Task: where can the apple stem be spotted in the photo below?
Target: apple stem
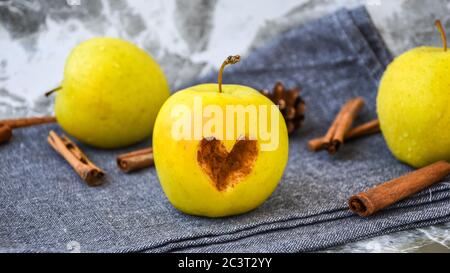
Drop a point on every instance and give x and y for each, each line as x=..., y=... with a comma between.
x=229, y=60
x=48, y=93
x=438, y=24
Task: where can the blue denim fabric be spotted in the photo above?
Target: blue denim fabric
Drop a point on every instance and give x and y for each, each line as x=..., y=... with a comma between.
x=46, y=207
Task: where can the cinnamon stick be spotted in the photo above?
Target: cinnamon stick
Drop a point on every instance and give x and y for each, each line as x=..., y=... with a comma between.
x=344, y=122
x=135, y=160
x=89, y=172
x=24, y=122
x=335, y=135
x=371, y=127
x=5, y=133
x=388, y=193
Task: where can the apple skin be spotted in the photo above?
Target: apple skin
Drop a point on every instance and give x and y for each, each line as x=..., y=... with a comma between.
x=186, y=185
x=413, y=106
x=111, y=93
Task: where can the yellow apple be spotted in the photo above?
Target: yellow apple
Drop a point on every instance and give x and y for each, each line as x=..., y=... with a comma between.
x=221, y=165
x=111, y=93
x=413, y=106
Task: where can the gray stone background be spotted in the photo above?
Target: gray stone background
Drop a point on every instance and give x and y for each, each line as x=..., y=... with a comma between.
x=188, y=38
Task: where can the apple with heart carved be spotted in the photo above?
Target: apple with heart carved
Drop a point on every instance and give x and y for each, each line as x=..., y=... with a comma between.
x=219, y=150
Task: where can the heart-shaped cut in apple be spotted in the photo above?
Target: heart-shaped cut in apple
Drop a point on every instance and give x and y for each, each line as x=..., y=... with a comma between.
x=225, y=168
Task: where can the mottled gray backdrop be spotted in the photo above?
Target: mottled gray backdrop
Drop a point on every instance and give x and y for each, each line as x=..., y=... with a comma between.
x=187, y=38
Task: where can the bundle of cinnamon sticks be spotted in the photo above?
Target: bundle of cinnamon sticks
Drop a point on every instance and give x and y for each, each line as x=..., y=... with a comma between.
x=341, y=128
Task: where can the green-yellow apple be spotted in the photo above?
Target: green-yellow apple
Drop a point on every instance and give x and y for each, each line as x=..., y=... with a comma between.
x=219, y=150
x=111, y=93
x=413, y=105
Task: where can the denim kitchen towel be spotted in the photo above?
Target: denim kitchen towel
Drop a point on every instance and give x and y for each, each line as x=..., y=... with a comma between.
x=46, y=207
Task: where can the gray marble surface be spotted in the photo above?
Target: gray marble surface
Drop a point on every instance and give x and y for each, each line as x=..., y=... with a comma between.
x=189, y=38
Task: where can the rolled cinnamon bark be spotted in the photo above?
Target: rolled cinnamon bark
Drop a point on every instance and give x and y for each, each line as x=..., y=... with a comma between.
x=85, y=168
x=5, y=133
x=386, y=194
x=371, y=127
x=341, y=125
x=23, y=122
x=135, y=160
x=344, y=123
